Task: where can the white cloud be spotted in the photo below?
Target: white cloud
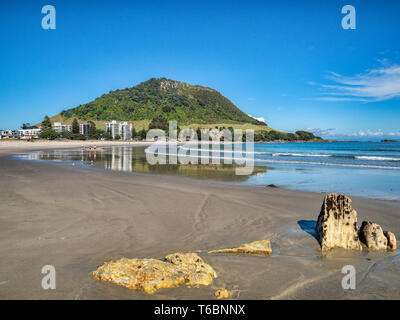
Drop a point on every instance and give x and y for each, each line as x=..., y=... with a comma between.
x=369, y=133
x=259, y=119
x=365, y=133
x=330, y=132
x=373, y=85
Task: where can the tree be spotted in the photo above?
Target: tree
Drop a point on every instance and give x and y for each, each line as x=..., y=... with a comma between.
x=66, y=135
x=142, y=134
x=46, y=123
x=134, y=133
x=49, y=133
x=107, y=135
x=75, y=126
x=102, y=134
x=198, y=132
x=304, y=135
x=117, y=137
x=274, y=135
x=158, y=123
x=92, y=133
x=166, y=109
x=77, y=136
x=28, y=126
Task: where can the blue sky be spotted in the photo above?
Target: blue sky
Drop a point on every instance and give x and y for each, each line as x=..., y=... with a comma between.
x=289, y=62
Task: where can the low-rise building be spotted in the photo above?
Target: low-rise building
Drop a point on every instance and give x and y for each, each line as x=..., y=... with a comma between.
x=15, y=134
x=6, y=134
x=29, y=133
x=9, y=134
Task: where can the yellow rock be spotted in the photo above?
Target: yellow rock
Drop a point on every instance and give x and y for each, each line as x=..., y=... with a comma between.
x=261, y=247
x=371, y=234
x=337, y=224
x=222, y=294
x=391, y=240
x=150, y=275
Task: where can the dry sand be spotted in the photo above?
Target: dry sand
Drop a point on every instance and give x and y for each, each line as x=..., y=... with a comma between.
x=75, y=219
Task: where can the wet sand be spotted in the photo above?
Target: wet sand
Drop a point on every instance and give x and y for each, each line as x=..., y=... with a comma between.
x=75, y=219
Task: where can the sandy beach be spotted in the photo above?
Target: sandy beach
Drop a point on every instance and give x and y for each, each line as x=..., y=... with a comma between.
x=75, y=219
x=8, y=147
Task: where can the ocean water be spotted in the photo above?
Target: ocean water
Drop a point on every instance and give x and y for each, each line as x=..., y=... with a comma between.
x=367, y=169
x=376, y=155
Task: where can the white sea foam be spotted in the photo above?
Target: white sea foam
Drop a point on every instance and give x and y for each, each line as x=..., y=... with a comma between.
x=289, y=154
x=376, y=158
x=222, y=150
x=328, y=164
x=284, y=161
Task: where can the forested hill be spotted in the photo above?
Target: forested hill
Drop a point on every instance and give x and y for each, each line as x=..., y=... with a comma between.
x=169, y=99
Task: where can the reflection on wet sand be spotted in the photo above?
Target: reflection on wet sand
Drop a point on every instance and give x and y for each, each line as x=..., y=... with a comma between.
x=133, y=159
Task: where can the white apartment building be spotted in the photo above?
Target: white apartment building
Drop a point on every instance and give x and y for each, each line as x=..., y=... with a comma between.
x=58, y=127
x=84, y=129
x=123, y=129
x=18, y=134
x=28, y=133
x=126, y=131
x=113, y=127
x=15, y=134
x=6, y=134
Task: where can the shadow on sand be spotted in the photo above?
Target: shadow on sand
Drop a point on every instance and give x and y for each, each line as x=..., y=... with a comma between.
x=309, y=227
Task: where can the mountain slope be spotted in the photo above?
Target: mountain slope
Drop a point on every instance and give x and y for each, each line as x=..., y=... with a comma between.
x=170, y=99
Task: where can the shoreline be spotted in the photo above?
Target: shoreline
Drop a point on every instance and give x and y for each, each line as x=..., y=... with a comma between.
x=382, y=194
x=23, y=149
x=19, y=147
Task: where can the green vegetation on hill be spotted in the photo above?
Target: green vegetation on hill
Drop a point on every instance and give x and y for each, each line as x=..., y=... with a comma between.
x=273, y=135
x=163, y=98
x=151, y=104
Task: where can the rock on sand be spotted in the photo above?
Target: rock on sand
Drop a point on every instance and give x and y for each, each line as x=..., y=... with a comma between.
x=150, y=275
x=375, y=238
x=261, y=247
x=337, y=224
